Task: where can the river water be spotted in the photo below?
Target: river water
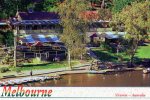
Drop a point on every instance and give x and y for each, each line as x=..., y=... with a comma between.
x=121, y=79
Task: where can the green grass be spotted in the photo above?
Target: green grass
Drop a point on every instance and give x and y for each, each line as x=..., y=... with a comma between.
x=41, y=66
x=46, y=66
x=143, y=51
x=32, y=66
x=103, y=55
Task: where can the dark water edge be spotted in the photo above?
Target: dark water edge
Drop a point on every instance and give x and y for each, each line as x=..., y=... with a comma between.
x=121, y=79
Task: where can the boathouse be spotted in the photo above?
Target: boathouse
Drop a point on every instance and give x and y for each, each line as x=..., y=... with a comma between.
x=38, y=35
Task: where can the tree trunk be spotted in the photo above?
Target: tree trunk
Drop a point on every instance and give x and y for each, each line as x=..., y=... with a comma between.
x=15, y=46
x=131, y=60
x=103, y=4
x=15, y=54
x=132, y=56
x=69, y=59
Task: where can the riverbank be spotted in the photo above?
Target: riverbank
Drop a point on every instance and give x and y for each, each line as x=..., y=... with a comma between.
x=82, y=69
x=40, y=68
x=51, y=72
x=82, y=76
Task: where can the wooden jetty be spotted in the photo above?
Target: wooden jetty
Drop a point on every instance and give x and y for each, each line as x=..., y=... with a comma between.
x=27, y=80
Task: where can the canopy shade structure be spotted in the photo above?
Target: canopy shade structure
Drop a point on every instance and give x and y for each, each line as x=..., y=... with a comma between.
x=114, y=35
x=108, y=35
x=41, y=38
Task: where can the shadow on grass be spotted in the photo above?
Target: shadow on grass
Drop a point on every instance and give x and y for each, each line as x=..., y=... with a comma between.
x=31, y=65
x=137, y=59
x=142, y=61
x=143, y=44
x=126, y=59
x=104, y=56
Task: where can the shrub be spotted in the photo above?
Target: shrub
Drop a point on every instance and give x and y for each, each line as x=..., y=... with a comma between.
x=4, y=69
x=18, y=70
x=120, y=58
x=102, y=45
x=36, y=60
x=105, y=46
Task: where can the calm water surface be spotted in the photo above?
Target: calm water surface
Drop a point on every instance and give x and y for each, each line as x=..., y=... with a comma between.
x=132, y=78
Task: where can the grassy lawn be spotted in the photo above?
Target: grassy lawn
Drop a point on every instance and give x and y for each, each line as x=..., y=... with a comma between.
x=61, y=64
x=143, y=51
x=103, y=55
x=46, y=66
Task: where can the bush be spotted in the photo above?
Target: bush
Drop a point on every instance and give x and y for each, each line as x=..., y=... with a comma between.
x=102, y=45
x=36, y=60
x=4, y=69
x=120, y=58
x=18, y=70
x=105, y=46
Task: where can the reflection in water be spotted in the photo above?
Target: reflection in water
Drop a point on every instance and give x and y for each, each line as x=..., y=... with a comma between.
x=116, y=75
x=132, y=78
x=55, y=81
x=103, y=77
x=129, y=74
x=148, y=75
x=69, y=80
x=144, y=76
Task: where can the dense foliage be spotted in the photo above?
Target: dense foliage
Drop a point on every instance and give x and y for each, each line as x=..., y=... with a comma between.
x=8, y=8
x=6, y=38
x=135, y=19
x=73, y=29
x=118, y=5
x=133, y=16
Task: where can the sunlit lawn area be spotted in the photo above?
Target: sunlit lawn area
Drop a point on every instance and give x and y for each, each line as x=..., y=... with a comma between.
x=44, y=66
x=103, y=55
x=53, y=65
x=143, y=51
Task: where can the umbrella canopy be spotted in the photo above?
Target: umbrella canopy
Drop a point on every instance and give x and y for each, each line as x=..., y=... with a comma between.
x=40, y=38
x=29, y=39
x=54, y=38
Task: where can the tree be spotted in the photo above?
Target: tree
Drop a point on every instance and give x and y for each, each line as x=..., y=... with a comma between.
x=118, y=5
x=6, y=38
x=73, y=25
x=51, y=5
x=105, y=14
x=101, y=3
x=135, y=19
x=9, y=8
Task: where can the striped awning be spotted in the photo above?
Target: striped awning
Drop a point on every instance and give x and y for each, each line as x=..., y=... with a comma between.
x=40, y=37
